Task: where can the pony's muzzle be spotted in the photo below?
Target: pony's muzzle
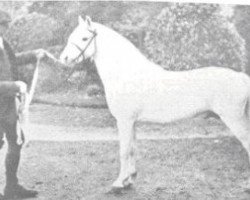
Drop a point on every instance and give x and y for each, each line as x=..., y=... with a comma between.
x=64, y=59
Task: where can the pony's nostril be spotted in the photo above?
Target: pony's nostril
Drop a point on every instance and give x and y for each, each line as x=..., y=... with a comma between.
x=65, y=59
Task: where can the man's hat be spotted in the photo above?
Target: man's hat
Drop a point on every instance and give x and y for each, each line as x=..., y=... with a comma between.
x=4, y=17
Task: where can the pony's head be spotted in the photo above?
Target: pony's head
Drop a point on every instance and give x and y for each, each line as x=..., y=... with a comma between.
x=81, y=43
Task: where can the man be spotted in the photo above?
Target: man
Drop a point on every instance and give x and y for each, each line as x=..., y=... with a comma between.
x=10, y=86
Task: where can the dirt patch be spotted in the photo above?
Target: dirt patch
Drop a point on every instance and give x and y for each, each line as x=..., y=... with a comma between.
x=171, y=169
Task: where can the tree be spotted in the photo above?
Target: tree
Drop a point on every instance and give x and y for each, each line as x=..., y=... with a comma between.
x=33, y=31
x=187, y=36
x=241, y=19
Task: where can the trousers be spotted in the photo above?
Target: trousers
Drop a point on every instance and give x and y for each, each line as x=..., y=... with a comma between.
x=10, y=128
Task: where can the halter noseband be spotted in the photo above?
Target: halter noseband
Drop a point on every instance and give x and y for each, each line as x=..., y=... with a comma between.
x=82, y=51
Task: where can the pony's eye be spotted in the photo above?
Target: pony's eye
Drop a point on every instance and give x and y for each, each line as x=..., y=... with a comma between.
x=84, y=39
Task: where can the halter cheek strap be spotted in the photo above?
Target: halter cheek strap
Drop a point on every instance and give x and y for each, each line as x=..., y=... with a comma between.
x=82, y=51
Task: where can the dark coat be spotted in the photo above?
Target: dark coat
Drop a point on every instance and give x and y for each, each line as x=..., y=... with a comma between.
x=9, y=71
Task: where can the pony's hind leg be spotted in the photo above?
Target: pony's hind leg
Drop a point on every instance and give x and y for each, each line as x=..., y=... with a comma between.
x=240, y=127
x=127, y=154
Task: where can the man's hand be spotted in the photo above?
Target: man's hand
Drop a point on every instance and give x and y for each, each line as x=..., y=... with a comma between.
x=21, y=87
x=40, y=53
x=12, y=88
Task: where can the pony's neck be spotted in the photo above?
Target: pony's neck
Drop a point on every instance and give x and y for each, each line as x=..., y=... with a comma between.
x=116, y=58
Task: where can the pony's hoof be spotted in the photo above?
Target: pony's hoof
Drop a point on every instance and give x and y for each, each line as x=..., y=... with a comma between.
x=119, y=190
x=134, y=175
x=129, y=186
x=115, y=190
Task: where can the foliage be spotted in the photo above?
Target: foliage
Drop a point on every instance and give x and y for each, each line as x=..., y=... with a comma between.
x=66, y=13
x=101, y=11
x=15, y=8
x=186, y=36
x=33, y=31
x=134, y=22
x=241, y=20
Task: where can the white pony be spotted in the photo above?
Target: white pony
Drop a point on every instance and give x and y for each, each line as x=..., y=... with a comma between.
x=137, y=89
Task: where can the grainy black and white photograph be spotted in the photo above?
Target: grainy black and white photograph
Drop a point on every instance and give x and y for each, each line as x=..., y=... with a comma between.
x=124, y=100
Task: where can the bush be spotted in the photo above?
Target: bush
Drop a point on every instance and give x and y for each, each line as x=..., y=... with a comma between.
x=187, y=36
x=134, y=22
x=241, y=20
x=33, y=31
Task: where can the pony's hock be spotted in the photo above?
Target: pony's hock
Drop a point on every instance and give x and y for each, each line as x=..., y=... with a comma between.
x=137, y=89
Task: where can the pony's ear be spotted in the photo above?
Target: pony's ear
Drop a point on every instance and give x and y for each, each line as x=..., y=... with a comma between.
x=88, y=20
x=80, y=20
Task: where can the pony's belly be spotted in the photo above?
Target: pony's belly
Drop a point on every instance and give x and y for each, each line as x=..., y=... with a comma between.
x=164, y=116
x=167, y=111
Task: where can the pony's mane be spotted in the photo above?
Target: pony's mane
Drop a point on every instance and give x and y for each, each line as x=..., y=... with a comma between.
x=120, y=42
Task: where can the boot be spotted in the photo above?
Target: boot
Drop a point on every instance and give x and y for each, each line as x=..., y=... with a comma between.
x=19, y=192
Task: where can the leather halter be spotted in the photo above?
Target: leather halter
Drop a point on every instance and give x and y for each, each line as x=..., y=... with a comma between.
x=75, y=68
x=82, y=51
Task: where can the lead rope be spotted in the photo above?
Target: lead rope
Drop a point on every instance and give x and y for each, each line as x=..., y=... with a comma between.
x=33, y=84
x=23, y=108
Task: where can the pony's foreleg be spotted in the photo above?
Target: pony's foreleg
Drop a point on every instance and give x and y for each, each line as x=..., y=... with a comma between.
x=127, y=154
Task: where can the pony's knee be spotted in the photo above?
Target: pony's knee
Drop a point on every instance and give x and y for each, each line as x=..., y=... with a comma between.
x=124, y=155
